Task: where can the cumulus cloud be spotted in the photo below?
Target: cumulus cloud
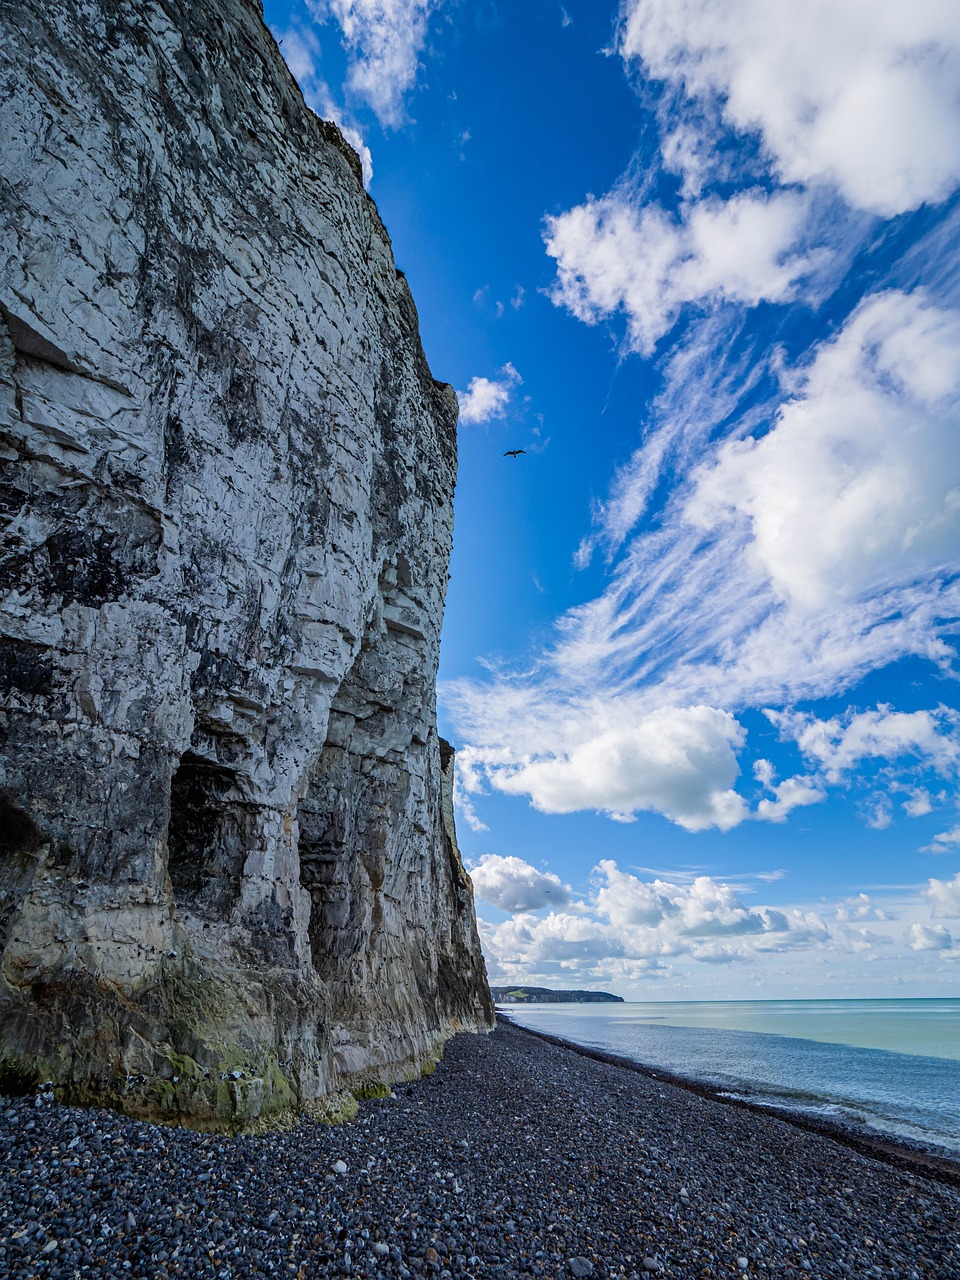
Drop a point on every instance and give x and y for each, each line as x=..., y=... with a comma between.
x=840, y=744
x=703, y=909
x=790, y=794
x=863, y=97
x=678, y=761
x=631, y=929
x=514, y=885
x=917, y=803
x=944, y=897
x=384, y=39
x=614, y=256
x=488, y=398
x=552, y=943
x=857, y=486
x=929, y=937
x=860, y=907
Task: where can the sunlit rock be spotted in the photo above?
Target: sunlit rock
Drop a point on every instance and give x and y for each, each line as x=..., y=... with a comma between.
x=229, y=882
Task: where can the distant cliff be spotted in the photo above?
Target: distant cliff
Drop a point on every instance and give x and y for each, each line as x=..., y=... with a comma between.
x=542, y=995
x=229, y=880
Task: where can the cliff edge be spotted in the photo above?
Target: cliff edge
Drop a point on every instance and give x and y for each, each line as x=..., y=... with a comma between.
x=229, y=881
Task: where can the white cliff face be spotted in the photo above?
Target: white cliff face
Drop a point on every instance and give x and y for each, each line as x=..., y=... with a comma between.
x=227, y=881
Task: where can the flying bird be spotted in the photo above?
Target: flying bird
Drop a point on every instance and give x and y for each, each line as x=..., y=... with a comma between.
x=512, y=453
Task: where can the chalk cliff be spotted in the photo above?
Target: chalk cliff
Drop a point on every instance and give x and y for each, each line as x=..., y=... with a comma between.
x=229, y=880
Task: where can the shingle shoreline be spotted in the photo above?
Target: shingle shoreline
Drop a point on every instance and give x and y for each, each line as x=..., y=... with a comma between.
x=926, y=1162
x=517, y=1157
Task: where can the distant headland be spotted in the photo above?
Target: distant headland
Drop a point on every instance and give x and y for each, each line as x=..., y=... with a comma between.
x=543, y=995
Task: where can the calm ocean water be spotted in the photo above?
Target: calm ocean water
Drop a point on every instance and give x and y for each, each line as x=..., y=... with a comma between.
x=891, y=1066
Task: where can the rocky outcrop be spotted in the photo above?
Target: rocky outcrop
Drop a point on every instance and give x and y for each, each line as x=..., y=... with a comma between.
x=229, y=882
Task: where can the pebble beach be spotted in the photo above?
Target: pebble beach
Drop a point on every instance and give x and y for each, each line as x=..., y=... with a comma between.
x=516, y=1157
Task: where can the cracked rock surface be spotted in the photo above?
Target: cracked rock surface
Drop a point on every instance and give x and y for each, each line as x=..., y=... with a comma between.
x=229, y=879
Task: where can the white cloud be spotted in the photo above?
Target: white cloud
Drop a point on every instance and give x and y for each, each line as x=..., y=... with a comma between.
x=546, y=944
x=791, y=564
x=384, y=38
x=613, y=256
x=840, y=744
x=857, y=486
x=860, y=907
x=514, y=885
x=944, y=841
x=918, y=803
x=861, y=96
x=929, y=937
x=790, y=794
x=944, y=896
x=631, y=928
x=487, y=398
x=678, y=761
x=301, y=50
x=703, y=909
x=877, y=812
x=704, y=384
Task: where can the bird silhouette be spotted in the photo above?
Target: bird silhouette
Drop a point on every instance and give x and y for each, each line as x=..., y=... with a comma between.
x=513, y=453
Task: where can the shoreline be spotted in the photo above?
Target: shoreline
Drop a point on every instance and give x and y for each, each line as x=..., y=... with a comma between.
x=517, y=1159
x=936, y=1163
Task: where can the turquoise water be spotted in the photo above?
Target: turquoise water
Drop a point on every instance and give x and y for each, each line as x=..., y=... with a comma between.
x=891, y=1066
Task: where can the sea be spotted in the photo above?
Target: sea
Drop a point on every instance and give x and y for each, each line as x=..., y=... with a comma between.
x=888, y=1067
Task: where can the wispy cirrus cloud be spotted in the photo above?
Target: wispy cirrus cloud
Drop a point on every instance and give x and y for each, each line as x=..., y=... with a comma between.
x=301, y=50
x=796, y=555
x=384, y=39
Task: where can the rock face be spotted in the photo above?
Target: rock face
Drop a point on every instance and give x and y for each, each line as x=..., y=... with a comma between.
x=229, y=881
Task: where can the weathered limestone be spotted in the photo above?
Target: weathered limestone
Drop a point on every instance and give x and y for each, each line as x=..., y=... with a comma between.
x=229, y=881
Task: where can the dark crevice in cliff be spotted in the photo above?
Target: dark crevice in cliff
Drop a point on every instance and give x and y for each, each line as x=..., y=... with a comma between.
x=20, y=843
x=329, y=837
x=354, y=813
x=208, y=837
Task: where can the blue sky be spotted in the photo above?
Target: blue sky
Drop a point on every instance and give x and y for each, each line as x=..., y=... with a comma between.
x=700, y=261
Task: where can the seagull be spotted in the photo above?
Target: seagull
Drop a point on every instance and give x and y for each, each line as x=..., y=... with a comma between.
x=512, y=453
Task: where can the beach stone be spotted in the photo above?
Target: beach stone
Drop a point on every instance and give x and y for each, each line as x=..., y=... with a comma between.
x=580, y=1267
x=227, y=474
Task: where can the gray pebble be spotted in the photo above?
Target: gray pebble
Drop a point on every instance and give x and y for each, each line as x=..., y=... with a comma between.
x=497, y=1120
